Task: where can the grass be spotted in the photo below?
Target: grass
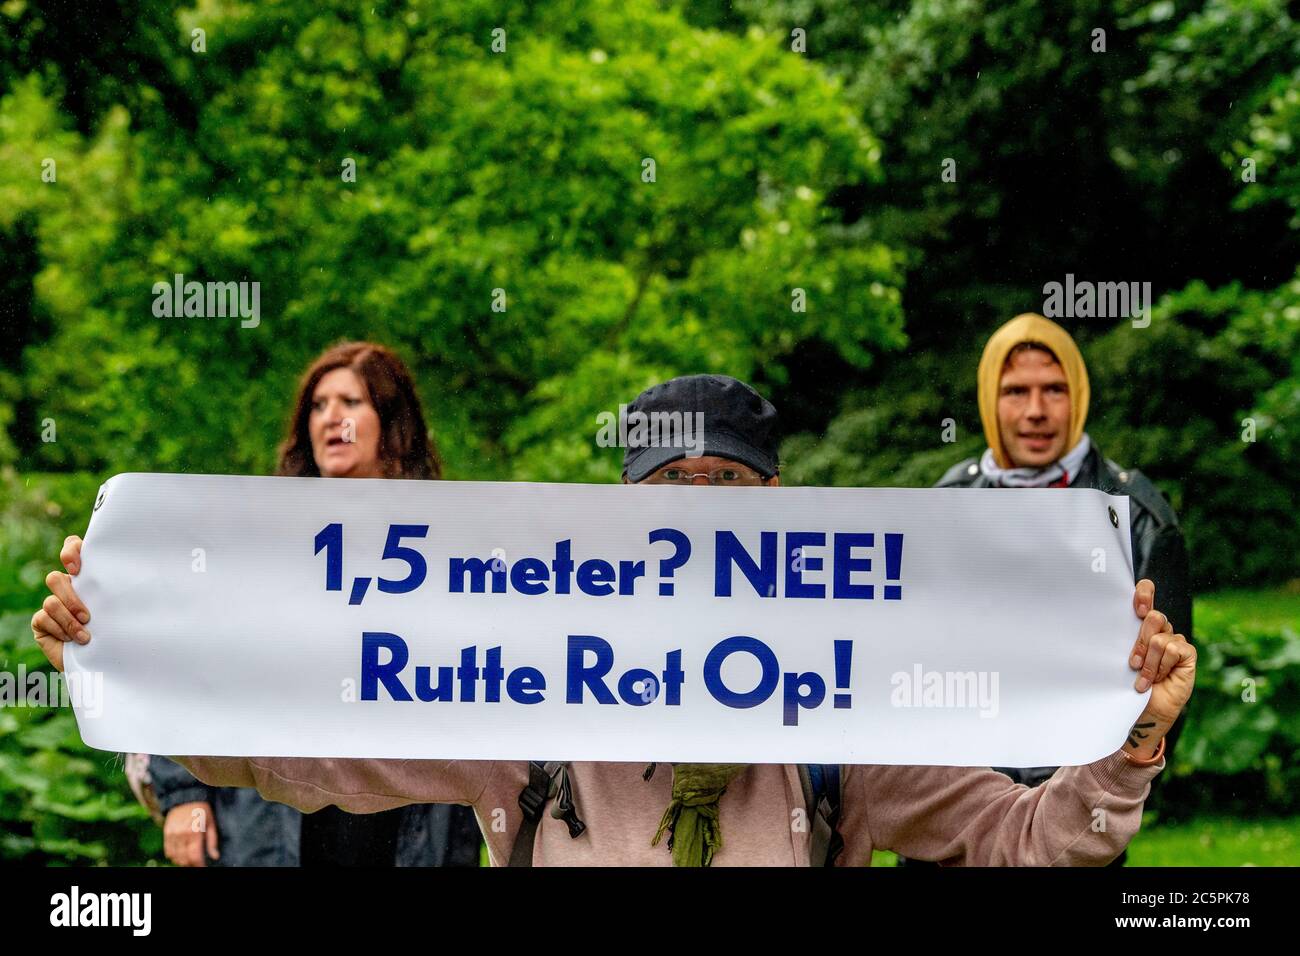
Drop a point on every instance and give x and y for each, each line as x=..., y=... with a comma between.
x=1222, y=841
x=1202, y=842
x=1272, y=608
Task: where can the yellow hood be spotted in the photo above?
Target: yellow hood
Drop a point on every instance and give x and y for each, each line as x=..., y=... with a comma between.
x=1030, y=327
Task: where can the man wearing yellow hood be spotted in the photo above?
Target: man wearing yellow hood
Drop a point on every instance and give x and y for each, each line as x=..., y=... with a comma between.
x=1033, y=401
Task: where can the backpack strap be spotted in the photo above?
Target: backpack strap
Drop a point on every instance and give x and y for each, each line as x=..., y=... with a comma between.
x=532, y=801
x=545, y=780
x=821, y=793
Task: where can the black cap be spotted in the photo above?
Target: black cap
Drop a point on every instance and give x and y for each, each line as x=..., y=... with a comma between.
x=737, y=423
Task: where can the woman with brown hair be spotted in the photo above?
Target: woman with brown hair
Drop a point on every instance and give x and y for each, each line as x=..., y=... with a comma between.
x=356, y=415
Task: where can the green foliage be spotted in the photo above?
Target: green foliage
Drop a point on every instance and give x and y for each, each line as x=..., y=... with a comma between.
x=476, y=171
x=1221, y=436
x=1216, y=840
x=1116, y=165
x=892, y=436
x=60, y=802
x=1068, y=158
x=1240, y=749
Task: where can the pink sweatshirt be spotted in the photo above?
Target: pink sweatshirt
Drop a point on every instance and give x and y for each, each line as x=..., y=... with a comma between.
x=1082, y=816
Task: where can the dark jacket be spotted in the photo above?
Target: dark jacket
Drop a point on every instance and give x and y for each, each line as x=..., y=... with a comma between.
x=257, y=832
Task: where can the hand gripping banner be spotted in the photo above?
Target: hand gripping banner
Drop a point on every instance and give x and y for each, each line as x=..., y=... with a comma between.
x=488, y=620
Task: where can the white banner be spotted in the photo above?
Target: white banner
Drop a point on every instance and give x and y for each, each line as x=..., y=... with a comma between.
x=485, y=620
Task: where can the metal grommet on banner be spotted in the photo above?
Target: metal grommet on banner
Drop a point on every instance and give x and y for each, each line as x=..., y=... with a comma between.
x=1114, y=517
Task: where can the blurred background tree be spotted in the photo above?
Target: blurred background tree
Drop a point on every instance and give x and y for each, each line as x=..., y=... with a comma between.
x=1122, y=165
x=523, y=170
x=1169, y=156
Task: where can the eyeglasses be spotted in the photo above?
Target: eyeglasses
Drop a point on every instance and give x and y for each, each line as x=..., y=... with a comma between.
x=725, y=475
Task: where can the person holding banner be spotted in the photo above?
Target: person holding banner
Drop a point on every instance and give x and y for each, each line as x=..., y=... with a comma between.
x=693, y=814
x=356, y=415
x=1033, y=401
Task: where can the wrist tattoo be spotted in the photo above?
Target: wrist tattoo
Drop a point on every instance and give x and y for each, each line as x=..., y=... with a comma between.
x=1135, y=733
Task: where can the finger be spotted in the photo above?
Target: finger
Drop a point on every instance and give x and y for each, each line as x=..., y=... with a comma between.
x=1151, y=662
x=1156, y=622
x=213, y=852
x=45, y=627
x=61, y=586
x=61, y=618
x=1168, y=661
x=70, y=555
x=1152, y=625
x=51, y=647
x=1144, y=597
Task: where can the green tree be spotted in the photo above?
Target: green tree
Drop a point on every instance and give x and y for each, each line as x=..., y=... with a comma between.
x=1125, y=165
x=526, y=171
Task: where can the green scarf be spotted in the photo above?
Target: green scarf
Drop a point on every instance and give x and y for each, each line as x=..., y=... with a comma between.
x=694, y=830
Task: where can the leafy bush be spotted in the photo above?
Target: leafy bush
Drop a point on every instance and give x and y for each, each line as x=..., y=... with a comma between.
x=60, y=802
x=1240, y=750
